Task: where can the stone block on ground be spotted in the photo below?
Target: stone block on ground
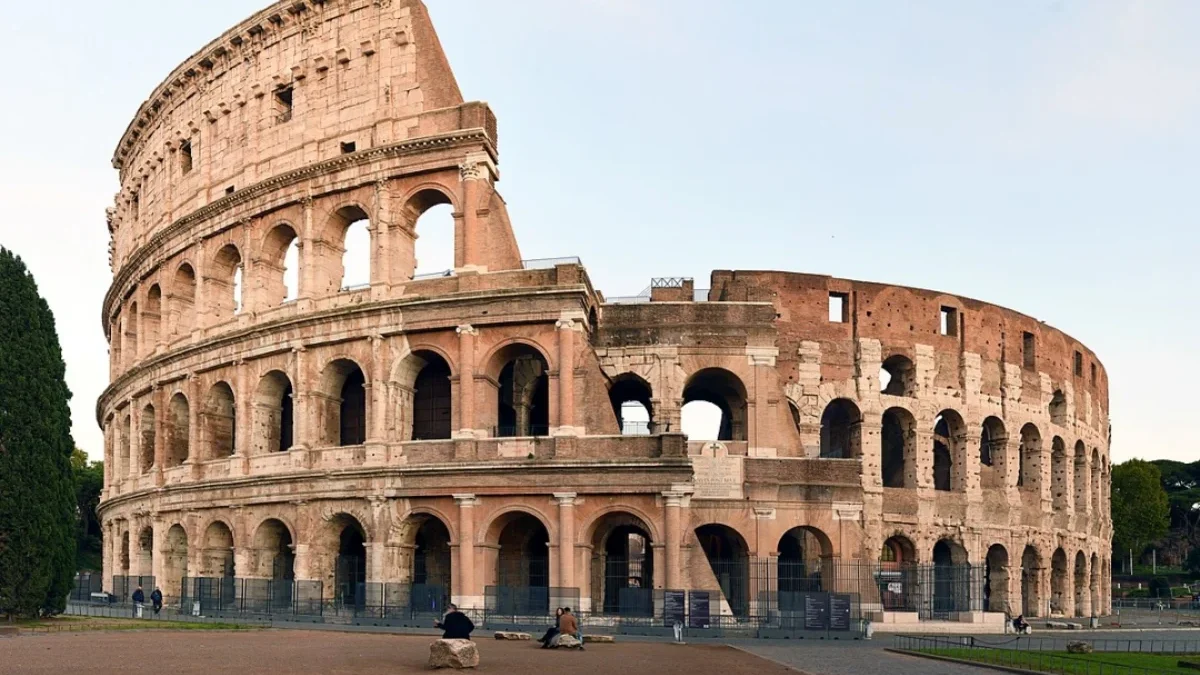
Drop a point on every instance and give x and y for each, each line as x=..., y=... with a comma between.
x=589, y=639
x=512, y=635
x=456, y=654
x=1079, y=647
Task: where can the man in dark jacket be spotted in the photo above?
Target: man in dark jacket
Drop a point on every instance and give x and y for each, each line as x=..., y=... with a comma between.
x=156, y=600
x=456, y=625
x=139, y=599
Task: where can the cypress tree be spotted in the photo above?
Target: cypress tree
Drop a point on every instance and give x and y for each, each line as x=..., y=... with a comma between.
x=37, y=500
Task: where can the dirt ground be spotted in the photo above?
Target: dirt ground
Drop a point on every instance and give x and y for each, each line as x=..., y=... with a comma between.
x=270, y=652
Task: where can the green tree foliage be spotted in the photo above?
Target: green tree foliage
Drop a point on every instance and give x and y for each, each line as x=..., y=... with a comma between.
x=37, y=490
x=89, y=481
x=1140, y=508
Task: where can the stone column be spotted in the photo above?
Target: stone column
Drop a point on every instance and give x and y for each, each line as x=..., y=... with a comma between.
x=674, y=501
x=566, y=539
x=466, y=380
x=468, y=594
x=566, y=377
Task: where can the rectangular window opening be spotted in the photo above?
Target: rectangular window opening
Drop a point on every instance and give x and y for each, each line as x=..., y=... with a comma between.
x=1078, y=364
x=349, y=147
x=839, y=308
x=283, y=105
x=949, y=324
x=1029, y=347
x=185, y=156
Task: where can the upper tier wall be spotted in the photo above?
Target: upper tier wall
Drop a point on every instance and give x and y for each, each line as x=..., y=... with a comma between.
x=298, y=83
x=901, y=318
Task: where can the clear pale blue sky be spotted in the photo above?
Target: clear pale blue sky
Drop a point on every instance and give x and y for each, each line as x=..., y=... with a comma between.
x=1041, y=155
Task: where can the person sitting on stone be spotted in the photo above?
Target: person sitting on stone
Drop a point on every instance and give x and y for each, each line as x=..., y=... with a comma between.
x=455, y=625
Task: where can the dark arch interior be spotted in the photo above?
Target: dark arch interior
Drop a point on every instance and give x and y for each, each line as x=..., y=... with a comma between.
x=524, y=400
x=432, y=399
x=728, y=556
x=353, y=428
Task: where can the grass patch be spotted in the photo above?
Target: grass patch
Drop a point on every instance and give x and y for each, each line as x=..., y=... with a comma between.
x=1057, y=662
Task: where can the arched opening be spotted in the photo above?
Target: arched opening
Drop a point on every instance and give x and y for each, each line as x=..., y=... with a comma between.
x=224, y=284
x=433, y=245
x=183, y=300
x=1058, y=408
x=622, y=566
x=178, y=430
x=350, y=568
x=274, y=412
x=218, y=425
x=1029, y=476
x=1081, y=478
x=122, y=468
x=145, y=552
x=1095, y=585
x=898, y=376
x=630, y=397
x=1058, y=582
x=356, y=247
x=522, y=564
x=993, y=440
x=898, y=574
x=344, y=406
x=724, y=390
x=1031, y=593
x=1059, y=475
x=729, y=558
x=898, y=440
x=146, y=442
x=175, y=563
x=217, y=561
x=431, y=567
x=995, y=584
x=151, y=318
x=432, y=399
x=949, y=451
x=1081, y=584
x=841, y=430
x=523, y=398
x=951, y=579
x=131, y=333
x=799, y=567
x=279, y=267
x=274, y=549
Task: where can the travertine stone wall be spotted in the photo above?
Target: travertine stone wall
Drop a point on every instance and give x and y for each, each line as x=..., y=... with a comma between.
x=249, y=425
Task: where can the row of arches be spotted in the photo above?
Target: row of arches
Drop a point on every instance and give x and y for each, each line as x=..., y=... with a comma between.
x=214, y=289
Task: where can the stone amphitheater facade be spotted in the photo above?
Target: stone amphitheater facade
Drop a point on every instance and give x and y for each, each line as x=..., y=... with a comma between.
x=466, y=429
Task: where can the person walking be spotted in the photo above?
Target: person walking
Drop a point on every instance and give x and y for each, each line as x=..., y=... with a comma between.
x=156, y=600
x=569, y=625
x=455, y=625
x=553, y=630
x=139, y=599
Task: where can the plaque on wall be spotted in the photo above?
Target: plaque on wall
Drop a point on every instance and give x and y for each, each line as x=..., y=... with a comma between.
x=717, y=475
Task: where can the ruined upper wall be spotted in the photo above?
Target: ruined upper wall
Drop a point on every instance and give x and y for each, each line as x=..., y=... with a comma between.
x=901, y=318
x=358, y=73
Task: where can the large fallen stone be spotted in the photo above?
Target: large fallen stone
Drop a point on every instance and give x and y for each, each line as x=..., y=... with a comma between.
x=563, y=641
x=1078, y=647
x=456, y=654
x=511, y=635
x=589, y=639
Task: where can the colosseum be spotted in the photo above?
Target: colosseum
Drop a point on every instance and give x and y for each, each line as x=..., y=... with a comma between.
x=502, y=435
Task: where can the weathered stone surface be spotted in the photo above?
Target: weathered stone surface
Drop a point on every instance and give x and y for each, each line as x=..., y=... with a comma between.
x=510, y=635
x=246, y=430
x=456, y=654
x=1079, y=647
